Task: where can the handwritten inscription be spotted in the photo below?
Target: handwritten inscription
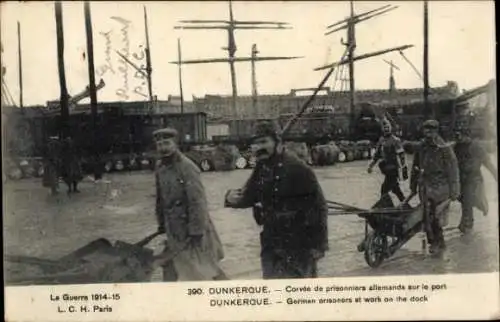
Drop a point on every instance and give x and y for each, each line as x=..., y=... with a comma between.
x=109, y=62
x=119, y=40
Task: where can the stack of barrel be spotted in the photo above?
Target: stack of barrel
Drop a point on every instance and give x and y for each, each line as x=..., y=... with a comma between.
x=325, y=154
x=299, y=149
x=224, y=157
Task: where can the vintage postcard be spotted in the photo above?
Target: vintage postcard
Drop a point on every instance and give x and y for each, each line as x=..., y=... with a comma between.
x=249, y=161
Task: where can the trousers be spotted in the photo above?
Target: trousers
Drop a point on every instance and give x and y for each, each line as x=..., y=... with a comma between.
x=391, y=184
x=433, y=227
x=288, y=264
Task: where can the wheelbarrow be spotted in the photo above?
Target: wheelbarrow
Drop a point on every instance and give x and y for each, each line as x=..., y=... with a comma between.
x=97, y=262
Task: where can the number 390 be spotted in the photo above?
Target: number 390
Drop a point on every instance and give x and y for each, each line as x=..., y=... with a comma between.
x=195, y=291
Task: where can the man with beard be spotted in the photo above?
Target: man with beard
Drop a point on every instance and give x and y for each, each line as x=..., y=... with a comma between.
x=435, y=175
x=392, y=163
x=471, y=156
x=182, y=214
x=288, y=202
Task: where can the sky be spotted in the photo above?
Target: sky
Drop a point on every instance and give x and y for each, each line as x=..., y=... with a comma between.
x=461, y=46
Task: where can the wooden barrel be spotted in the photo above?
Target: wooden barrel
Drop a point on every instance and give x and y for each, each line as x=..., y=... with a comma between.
x=325, y=154
x=299, y=149
x=224, y=157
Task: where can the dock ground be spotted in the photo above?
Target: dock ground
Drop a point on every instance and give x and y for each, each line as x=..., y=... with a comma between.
x=121, y=207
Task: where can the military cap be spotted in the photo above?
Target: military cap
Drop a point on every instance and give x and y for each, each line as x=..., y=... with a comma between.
x=166, y=133
x=431, y=124
x=266, y=128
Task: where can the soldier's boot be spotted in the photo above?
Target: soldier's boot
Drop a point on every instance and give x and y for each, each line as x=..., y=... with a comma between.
x=467, y=221
x=75, y=187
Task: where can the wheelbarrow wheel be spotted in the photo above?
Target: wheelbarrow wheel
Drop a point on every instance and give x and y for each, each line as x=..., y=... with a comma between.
x=375, y=249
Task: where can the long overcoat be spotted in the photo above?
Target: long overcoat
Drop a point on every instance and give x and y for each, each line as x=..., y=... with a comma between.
x=471, y=156
x=181, y=206
x=435, y=172
x=294, y=211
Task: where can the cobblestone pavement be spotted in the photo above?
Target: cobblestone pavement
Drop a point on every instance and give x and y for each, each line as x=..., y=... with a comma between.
x=121, y=208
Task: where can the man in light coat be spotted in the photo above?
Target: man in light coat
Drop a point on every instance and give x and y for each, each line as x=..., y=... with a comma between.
x=182, y=213
x=435, y=176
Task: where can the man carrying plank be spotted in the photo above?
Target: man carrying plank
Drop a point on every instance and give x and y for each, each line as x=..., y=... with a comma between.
x=288, y=202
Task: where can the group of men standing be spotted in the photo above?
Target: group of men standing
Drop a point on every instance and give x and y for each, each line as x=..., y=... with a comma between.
x=288, y=202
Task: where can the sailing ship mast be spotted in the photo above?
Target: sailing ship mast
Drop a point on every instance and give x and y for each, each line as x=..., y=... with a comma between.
x=179, y=59
x=349, y=24
x=61, y=69
x=148, y=71
x=254, y=79
x=427, y=112
x=20, y=64
x=149, y=68
x=392, y=82
x=92, y=87
x=230, y=26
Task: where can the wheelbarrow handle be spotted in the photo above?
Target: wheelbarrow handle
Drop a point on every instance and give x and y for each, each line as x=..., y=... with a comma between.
x=147, y=239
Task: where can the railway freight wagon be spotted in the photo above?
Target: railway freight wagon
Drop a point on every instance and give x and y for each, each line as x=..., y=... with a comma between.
x=124, y=136
x=322, y=134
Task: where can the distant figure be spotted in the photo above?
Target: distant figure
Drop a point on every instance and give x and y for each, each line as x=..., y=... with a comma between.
x=471, y=156
x=182, y=214
x=71, y=169
x=288, y=202
x=435, y=176
x=51, y=165
x=390, y=153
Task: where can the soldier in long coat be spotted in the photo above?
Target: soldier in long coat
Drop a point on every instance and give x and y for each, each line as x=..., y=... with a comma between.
x=182, y=214
x=435, y=175
x=471, y=157
x=288, y=203
x=51, y=166
x=71, y=169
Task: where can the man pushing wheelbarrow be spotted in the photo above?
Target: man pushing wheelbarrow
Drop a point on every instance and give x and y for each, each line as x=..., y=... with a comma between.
x=182, y=213
x=435, y=177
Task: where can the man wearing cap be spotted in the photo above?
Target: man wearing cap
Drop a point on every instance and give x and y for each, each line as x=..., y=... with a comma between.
x=182, y=214
x=471, y=156
x=288, y=203
x=390, y=153
x=435, y=175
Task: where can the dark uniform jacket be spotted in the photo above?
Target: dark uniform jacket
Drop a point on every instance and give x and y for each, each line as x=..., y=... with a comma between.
x=388, y=150
x=294, y=211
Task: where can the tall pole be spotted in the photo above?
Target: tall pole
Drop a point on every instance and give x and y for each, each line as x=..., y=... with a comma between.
x=351, y=42
x=92, y=87
x=179, y=55
x=20, y=65
x=427, y=112
x=149, y=69
x=64, y=128
x=232, y=51
x=254, y=79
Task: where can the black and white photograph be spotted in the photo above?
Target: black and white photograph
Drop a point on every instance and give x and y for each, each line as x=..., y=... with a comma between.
x=198, y=141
